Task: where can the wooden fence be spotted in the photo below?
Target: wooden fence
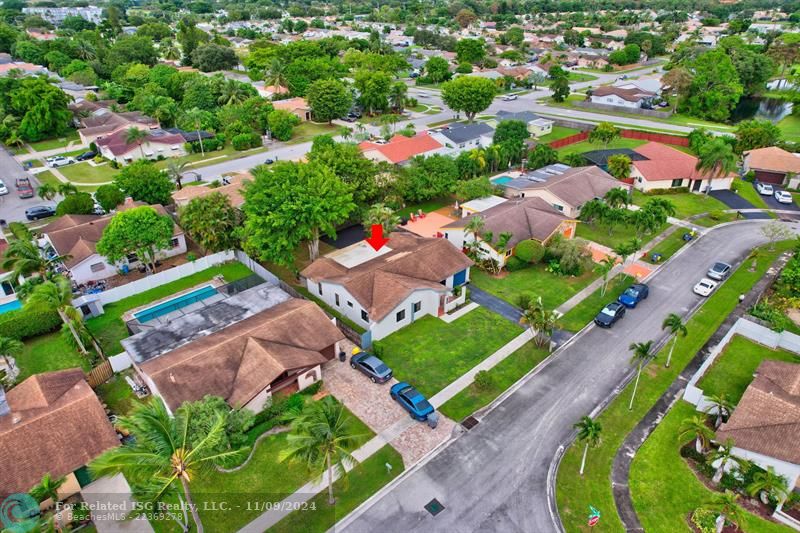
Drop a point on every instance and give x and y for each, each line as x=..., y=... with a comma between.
x=100, y=374
x=572, y=139
x=664, y=138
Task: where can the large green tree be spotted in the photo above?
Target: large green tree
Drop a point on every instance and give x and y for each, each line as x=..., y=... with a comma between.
x=211, y=221
x=559, y=83
x=469, y=94
x=428, y=177
x=751, y=134
x=143, y=182
x=290, y=203
x=281, y=123
x=212, y=57
x=715, y=89
x=511, y=130
x=139, y=230
x=350, y=165
x=57, y=294
x=41, y=108
x=437, y=70
x=329, y=99
x=470, y=51
x=373, y=88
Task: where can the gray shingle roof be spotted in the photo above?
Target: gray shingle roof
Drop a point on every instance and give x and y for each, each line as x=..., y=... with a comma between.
x=461, y=133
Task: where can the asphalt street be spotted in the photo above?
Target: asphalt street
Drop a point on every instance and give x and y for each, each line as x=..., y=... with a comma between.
x=495, y=476
x=12, y=207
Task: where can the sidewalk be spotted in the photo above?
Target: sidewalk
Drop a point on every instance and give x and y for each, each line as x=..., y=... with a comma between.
x=71, y=147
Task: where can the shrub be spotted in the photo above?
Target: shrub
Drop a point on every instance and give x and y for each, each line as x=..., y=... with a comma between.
x=690, y=452
x=484, y=380
x=79, y=203
x=20, y=231
x=716, y=215
x=245, y=141
x=750, y=177
x=705, y=520
x=671, y=190
x=735, y=186
x=311, y=390
x=280, y=406
x=514, y=264
x=30, y=321
x=529, y=251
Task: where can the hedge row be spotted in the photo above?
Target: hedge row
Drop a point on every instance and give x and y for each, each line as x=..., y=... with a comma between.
x=29, y=322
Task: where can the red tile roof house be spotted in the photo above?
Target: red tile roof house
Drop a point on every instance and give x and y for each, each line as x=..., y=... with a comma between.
x=76, y=236
x=400, y=149
x=383, y=291
x=97, y=120
x=773, y=165
x=618, y=96
x=158, y=143
x=667, y=167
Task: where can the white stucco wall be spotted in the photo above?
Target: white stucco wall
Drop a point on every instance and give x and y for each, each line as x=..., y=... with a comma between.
x=429, y=301
x=613, y=99
x=644, y=185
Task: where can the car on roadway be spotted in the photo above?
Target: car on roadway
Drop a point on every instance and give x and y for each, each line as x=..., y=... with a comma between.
x=765, y=188
x=411, y=400
x=783, y=197
x=633, y=295
x=372, y=367
x=3, y=188
x=510, y=97
x=705, y=287
x=85, y=156
x=24, y=188
x=719, y=271
x=609, y=315
x=269, y=161
x=59, y=161
x=39, y=211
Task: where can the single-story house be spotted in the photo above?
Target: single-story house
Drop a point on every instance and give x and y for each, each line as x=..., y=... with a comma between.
x=52, y=423
x=75, y=237
x=400, y=149
x=269, y=91
x=524, y=219
x=537, y=126
x=97, y=120
x=191, y=135
x=458, y=138
x=568, y=191
x=297, y=106
x=633, y=98
x=772, y=165
x=279, y=349
x=667, y=167
x=232, y=189
x=27, y=69
x=157, y=143
x=766, y=422
x=385, y=290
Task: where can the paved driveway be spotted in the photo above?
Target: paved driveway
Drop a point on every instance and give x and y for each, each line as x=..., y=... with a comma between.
x=731, y=199
x=775, y=204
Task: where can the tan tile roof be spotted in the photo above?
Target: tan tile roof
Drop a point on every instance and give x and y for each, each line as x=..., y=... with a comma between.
x=291, y=104
x=524, y=218
x=233, y=191
x=239, y=361
x=767, y=419
x=76, y=236
x=380, y=284
x=56, y=425
x=578, y=185
x=631, y=95
x=773, y=159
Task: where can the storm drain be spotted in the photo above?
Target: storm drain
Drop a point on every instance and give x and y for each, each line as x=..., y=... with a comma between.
x=434, y=507
x=470, y=422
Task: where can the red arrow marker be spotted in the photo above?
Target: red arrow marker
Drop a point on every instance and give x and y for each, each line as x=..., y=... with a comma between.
x=377, y=240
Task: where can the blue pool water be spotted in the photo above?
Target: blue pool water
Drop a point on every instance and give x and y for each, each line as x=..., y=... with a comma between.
x=151, y=313
x=500, y=180
x=10, y=306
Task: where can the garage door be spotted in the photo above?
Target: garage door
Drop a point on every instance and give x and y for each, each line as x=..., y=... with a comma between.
x=770, y=177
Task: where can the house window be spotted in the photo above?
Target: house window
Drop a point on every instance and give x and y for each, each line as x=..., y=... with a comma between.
x=677, y=183
x=417, y=307
x=98, y=267
x=174, y=243
x=349, y=304
x=401, y=315
x=336, y=299
x=508, y=253
x=8, y=289
x=559, y=207
x=364, y=316
x=132, y=258
x=319, y=288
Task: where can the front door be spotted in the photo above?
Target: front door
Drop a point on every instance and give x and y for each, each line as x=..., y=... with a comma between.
x=460, y=278
x=696, y=185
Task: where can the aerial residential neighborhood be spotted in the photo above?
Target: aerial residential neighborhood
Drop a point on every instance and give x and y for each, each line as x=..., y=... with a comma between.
x=454, y=266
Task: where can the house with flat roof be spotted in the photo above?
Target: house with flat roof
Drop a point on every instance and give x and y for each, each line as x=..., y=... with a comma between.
x=665, y=167
x=772, y=165
x=457, y=138
x=53, y=424
x=523, y=218
x=537, y=126
x=384, y=290
x=400, y=149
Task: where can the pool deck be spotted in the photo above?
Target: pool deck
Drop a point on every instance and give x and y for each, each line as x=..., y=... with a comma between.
x=215, y=282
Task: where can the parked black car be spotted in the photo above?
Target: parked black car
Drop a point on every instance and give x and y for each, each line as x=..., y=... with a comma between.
x=85, y=156
x=39, y=211
x=371, y=366
x=608, y=316
x=268, y=161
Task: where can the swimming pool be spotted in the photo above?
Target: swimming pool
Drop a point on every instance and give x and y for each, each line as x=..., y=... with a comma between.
x=500, y=180
x=163, y=308
x=10, y=306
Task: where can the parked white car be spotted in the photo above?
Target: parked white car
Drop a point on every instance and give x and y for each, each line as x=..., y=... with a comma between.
x=765, y=189
x=783, y=197
x=60, y=161
x=3, y=188
x=705, y=287
x=510, y=97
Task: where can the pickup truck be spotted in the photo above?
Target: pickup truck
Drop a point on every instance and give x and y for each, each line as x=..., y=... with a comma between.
x=24, y=188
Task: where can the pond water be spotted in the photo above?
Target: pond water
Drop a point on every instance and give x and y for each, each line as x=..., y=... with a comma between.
x=772, y=109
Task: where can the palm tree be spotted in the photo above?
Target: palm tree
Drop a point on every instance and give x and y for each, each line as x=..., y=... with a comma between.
x=541, y=321
x=616, y=197
x=84, y=50
x=175, y=170
x=389, y=121
x=345, y=132
x=641, y=354
x=8, y=347
x=397, y=96
x=195, y=117
x=676, y=327
x=721, y=406
x=162, y=455
x=57, y=294
x=588, y=433
x=381, y=214
x=604, y=267
x=478, y=156
x=47, y=488
x=768, y=484
x=321, y=437
x=66, y=188
x=696, y=427
x=23, y=258
x=169, y=50
x=724, y=504
x=134, y=135
x=167, y=113
x=275, y=74
x=47, y=191
x=232, y=92
x=474, y=227
x=723, y=454
x=716, y=159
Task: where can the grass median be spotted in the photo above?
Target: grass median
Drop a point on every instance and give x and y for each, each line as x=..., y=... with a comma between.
x=574, y=493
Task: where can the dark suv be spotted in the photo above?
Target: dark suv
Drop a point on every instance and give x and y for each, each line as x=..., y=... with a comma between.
x=372, y=367
x=39, y=211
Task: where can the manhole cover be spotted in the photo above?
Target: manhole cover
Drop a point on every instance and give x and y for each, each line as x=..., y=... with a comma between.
x=469, y=422
x=434, y=507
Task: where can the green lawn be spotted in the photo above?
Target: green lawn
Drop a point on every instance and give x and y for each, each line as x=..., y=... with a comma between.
x=583, y=313
x=718, y=218
x=749, y=193
x=533, y=281
x=574, y=493
x=86, y=173
x=559, y=132
x=586, y=146
x=53, y=144
x=669, y=246
x=790, y=126
x=598, y=233
x=361, y=483
x=505, y=374
x=427, y=207
x=306, y=131
x=665, y=490
x=686, y=204
x=733, y=369
x=431, y=353
x=47, y=353
x=109, y=327
x=117, y=394
x=48, y=177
